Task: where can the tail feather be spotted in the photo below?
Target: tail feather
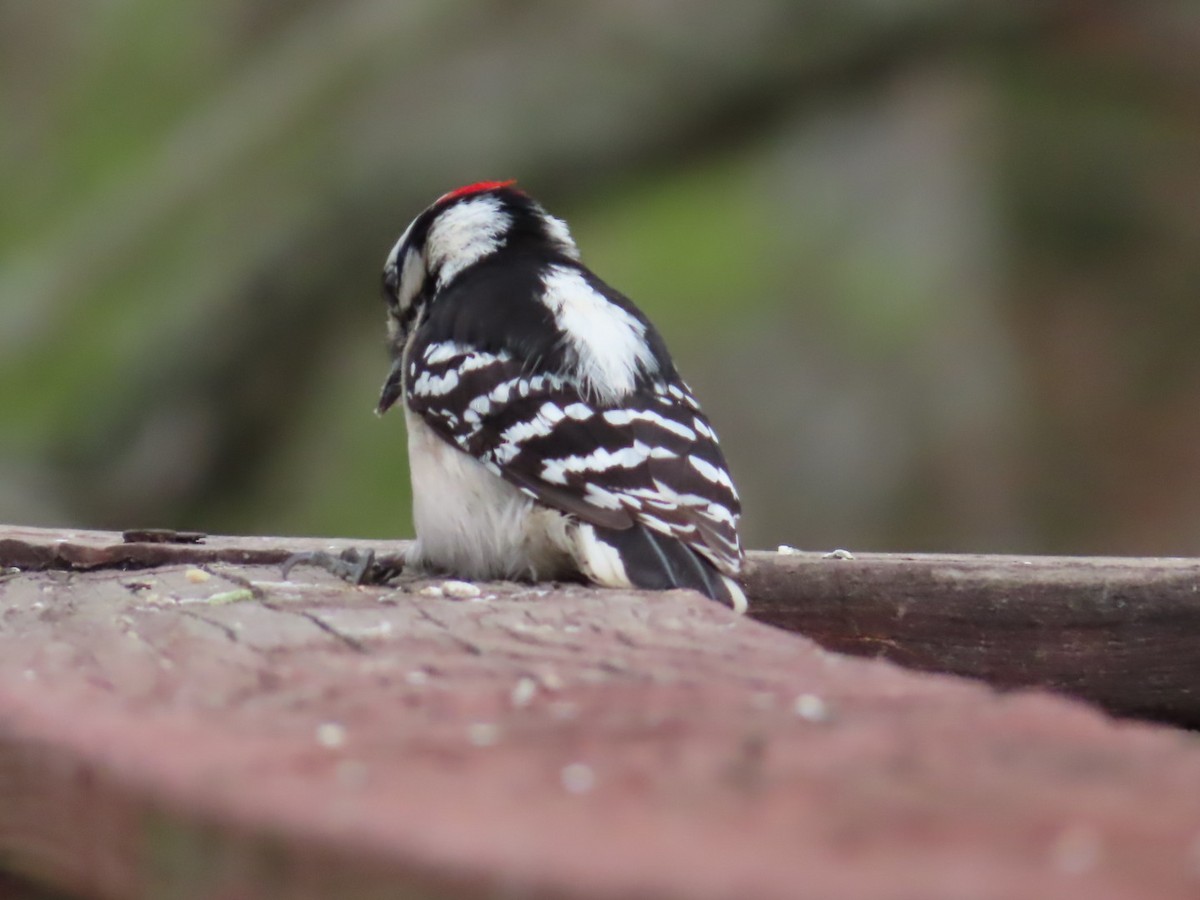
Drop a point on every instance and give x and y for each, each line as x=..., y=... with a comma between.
x=639, y=557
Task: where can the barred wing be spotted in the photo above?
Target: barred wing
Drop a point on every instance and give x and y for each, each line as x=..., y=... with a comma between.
x=651, y=459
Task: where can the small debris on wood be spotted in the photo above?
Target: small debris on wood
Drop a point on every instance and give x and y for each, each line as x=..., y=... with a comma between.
x=460, y=590
x=839, y=553
x=239, y=595
x=331, y=735
x=162, y=536
x=578, y=778
x=483, y=734
x=523, y=692
x=811, y=708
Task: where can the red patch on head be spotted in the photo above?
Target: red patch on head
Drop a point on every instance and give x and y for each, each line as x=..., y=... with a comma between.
x=477, y=188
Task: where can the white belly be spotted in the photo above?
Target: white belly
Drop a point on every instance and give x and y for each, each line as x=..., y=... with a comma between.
x=474, y=524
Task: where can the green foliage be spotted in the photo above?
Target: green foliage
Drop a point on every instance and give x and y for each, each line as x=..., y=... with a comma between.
x=922, y=261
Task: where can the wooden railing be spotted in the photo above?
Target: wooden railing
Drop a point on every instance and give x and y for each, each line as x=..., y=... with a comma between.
x=176, y=720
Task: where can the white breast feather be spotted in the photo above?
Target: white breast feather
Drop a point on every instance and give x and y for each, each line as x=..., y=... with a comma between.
x=474, y=524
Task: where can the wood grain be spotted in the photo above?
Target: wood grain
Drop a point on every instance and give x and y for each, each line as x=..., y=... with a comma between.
x=194, y=727
x=1120, y=632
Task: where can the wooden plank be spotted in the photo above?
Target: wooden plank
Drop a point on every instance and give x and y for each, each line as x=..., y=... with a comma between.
x=1123, y=633
x=1119, y=632
x=37, y=549
x=210, y=732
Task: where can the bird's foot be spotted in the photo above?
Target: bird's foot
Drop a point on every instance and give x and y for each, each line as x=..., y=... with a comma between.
x=352, y=565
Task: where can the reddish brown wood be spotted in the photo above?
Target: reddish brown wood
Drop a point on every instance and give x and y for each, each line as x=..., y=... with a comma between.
x=79, y=549
x=1115, y=631
x=213, y=733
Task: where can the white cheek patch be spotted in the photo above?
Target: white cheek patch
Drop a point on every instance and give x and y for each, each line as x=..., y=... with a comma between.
x=463, y=234
x=609, y=343
x=406, y=266
x=393, y=259
x=412, y=276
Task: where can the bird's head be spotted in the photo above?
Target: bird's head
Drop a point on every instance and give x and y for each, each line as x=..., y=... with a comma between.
x=459, y=230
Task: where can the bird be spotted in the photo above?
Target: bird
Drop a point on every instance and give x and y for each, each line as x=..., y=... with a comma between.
x=550, y=435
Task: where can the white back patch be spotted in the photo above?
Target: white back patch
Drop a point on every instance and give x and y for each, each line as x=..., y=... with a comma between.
x=463, y=234
x=560, y=235
x=608, y=343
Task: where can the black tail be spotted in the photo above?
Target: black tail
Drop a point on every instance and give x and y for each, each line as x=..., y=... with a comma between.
x=657, y=562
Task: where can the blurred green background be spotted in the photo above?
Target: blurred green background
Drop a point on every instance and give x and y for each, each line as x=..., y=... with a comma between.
x=931, y=265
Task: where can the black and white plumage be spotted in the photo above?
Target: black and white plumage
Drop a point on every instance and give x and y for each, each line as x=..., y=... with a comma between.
x=549, y=432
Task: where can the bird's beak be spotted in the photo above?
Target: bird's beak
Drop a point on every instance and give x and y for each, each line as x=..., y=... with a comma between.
x=393, y=386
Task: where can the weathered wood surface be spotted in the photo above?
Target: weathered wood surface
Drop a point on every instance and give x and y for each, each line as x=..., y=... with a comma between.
x=38, y=549
x=1120, y=632
x=1124, y=633
x=208, y=731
